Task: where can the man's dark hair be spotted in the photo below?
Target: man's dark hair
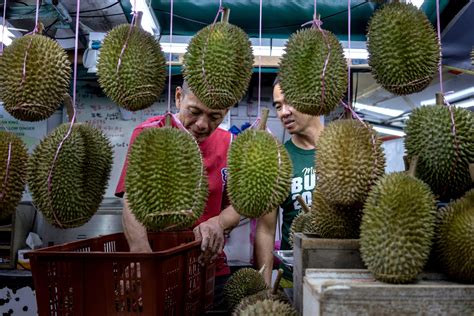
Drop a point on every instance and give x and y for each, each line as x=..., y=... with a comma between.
x=276, y=81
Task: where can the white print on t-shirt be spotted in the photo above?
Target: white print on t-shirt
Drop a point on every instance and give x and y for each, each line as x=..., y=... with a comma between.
x=303, y=186
x=224, y=173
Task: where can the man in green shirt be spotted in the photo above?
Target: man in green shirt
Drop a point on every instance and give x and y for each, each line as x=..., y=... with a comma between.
x=304, y=130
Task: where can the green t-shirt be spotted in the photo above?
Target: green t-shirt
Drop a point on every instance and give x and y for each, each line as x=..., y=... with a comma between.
x=303, y=183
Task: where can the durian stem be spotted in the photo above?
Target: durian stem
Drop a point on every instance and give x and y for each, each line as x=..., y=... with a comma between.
x=303, y=204
x=225, y=15
x=276, y=285
x=138, y=19
x=40, y=28
x=439, y=98
x=413, y=163
x=69, y=106
x=262, y=269
x=471, y=171
x=263, y=120
x=168, y=120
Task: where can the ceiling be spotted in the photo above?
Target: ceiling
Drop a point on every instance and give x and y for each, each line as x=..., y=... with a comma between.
x=280, y=19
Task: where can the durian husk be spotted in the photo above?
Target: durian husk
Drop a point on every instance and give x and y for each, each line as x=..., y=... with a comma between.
x=397, y=228
x=46, y=80
x=443, y=160
x=403, y=48
x=218, y=65
x=267, y=307
x=260, y=172
x=302, y=67
x=244, y=282
x=297, y=226
x=13, y=184
x=455, y=238
x=79, y=177
x=334, y=221
x=350, y=160
x=141, y=76
x=166, y=183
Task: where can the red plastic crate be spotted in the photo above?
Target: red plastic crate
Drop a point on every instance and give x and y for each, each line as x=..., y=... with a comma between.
x=99, y=276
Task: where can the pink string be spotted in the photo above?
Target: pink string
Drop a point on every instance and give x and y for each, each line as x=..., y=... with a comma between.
x=259, y=58
x=37, y=16
x=349, y=95
x=125, y=45
x=170, y=55
x=3, y=25
x=5, y=181
x=440, y=64
x=53, y=164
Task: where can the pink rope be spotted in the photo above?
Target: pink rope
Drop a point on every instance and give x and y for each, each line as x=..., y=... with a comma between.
x=170, y=55
x=53, y=164
x=3, y=25
x=440, y=64
x=37, y=16
x=125, y=45
x=349, y=95
x=5, y=181
x=259, y=58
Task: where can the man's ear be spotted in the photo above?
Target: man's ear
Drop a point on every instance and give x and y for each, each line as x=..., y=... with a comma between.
x=178, y=95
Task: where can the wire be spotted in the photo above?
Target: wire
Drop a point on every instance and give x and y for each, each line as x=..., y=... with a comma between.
x=95, y=10
x=101, y=16
x=23, y=3
x=46, y=29
x=182, y=17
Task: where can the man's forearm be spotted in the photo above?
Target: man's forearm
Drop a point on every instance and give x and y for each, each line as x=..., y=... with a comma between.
x=228, y=219
x=264, y=244
x=135, y=232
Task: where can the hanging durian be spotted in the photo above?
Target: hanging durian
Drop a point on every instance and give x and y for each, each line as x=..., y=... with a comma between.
x=13, y=162
x=34, y=77
x=397, y=228
x=350, y=160
x=268, y=308
x=79, y=177
x=135, y=79
x=260, y=173
x=403, y=48
x=334, y=221
x=297, y=226
x=218, y=65
x=443, y=160
x=166, y=183
x=455, y=240
x=310, y=85
x=244, y=282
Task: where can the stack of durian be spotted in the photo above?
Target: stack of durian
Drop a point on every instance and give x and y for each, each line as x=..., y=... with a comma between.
x=246, y=293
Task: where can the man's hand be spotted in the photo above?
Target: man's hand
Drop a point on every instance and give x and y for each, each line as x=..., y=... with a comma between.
x=211, y=235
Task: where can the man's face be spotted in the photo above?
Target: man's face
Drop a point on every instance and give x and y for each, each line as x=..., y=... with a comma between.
x=295, y=122
x=196, y=117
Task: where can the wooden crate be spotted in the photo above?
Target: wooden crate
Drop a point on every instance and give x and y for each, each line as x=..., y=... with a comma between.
x=330, y=292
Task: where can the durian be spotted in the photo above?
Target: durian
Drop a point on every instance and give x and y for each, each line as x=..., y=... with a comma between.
x=297, y=226
x=244, y=282
x=403, y=48
x=79, y=177
x=397, y=228
x=268, y=308
x=166, y=183
x=35, y=92
x=350, y=160
x=138, y=81
x=443, y=160
x=334, y=221
x=13, y=183
x=472, y=56
x=455, y=240
x=260, y=173
x=309, y=85
x=218, y=65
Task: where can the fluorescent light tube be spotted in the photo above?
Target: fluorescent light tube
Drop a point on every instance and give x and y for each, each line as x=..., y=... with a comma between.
x=389, y=131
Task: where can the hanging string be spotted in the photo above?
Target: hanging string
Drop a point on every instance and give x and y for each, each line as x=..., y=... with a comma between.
x=440, y=64
x=37, y=16
x=125, y=45
x=170, y=55
x=53, y=164
x=349, y=95
x=5, y=180
x=3, y=25
x=259, y=59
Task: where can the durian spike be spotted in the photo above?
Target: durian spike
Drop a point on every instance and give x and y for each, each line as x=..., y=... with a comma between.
x=263, y=120
x=439, y=98
x=277, y=281
x=305, y=207
x=471, y=171
x=262, y=269
x=225, y=15
x=413, y=163
x=69, y=106
x=138, y=19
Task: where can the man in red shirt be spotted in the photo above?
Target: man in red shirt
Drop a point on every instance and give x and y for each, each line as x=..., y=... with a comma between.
x=218, y=216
